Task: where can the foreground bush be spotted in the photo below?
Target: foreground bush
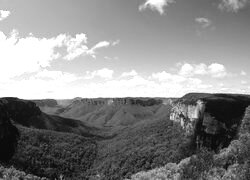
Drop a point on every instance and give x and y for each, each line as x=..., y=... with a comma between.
x=13, y=174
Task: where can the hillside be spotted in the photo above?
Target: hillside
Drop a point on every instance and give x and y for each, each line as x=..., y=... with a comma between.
x=231, y=162
x=142, y=146
x=27, y=114
x=133, y=135
x=52, y=154
x=108, y=112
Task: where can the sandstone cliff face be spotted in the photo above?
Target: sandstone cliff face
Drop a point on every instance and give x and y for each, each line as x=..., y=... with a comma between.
x=212, y=121
x=187, y=115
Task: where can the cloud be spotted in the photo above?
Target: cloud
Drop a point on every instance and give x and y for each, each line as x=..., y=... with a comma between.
x=4, y=14
x=243, y=73
x=25, y=55
x=29, y=54
x=76, y=46
x=116, y=42
x=101, y=44
x=204, y=22
x=157, y=5
x=56, y=76
x=111, y=58
x=129, y=74
x=57, y=84
x=215, y=70
x=243, y=82
x=164, y=76
x=233, y=5
x=104, y=73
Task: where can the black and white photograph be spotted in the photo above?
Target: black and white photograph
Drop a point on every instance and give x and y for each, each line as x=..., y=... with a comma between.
x=124, y=90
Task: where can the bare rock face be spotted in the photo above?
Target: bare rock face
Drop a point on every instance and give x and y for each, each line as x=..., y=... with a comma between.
x=213, y=120
x=187, y=115
x=8, y=135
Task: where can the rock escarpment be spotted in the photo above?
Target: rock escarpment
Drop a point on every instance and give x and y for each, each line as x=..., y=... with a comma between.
x=211, y=119
x=21, y=111
x=8, y=134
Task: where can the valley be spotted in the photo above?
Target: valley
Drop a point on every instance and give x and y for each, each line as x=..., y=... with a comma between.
x=107, y=138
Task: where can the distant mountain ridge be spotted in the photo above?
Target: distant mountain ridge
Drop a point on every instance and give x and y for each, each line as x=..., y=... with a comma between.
x=28, y=114
x=106, y=112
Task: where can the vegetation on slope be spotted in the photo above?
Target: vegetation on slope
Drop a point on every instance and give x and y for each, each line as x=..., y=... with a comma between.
x=146, y=145
x=51, y=154
x=11, y=173
x=231, y=163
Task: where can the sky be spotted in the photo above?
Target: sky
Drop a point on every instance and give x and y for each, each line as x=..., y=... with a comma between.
x=120, y=48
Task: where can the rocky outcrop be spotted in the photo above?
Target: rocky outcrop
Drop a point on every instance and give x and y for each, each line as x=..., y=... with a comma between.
x=46, y=102
x=121, y=101
x=187, y=115
x=211, y=120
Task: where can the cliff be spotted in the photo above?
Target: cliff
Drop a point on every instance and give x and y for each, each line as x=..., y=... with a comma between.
x=107, y=112
x=212, y=120
x=231, y=162
x=8, y=134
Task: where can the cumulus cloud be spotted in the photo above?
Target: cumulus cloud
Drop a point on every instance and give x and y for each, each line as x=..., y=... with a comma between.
x=25, y=55
x=4, y=14
x=215, y=70
x=204, y=22
x=104, y=73
x=76, y=46
x=233, y=5
x=56, y=84
x=29, y=54
x=164, y=76
x=157, y=5
x=129, y=74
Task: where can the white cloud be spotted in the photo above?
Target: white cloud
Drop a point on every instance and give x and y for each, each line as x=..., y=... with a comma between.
x=215, y=70
x=56, y=84
x=129, y=74
x=76, y=46
x=101, y=44
x=186, y=70
x=25, y=55
x=56, y=76
x=29, y=54
x=233, y=5
x=204, y=22
x=243, y=73
x=157, y=5
x=243, y=82
x=102, y=73
x=116, y=42
x=4, y=14
x=164, y=76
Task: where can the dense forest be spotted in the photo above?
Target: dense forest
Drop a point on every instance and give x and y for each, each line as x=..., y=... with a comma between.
x=154, y=147
x=52, y=154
